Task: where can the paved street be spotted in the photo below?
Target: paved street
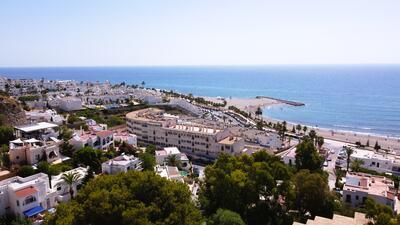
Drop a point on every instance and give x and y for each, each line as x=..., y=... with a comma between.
x=336, y=146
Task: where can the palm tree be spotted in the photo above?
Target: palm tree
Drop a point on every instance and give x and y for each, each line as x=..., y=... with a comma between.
x=349, y=151
x=320, y=141
x=70, y=179
x=172, y=160
x=305, y=129
x=298, y=128
x=356, y=165
x=258, y=111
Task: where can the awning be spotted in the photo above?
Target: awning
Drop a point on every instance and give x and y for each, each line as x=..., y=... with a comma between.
x=34, y=211
x=18, y=141
x=32, y=140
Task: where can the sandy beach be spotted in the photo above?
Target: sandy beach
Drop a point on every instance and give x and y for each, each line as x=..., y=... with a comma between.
x=251, y=105
x=389, y=143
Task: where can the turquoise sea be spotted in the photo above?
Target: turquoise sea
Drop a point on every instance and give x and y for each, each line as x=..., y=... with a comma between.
x=362, y=98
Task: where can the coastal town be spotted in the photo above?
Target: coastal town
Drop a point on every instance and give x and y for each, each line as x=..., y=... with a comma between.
x=59, y=135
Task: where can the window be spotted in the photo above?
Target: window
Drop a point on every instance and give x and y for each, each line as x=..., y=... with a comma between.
x=17, y=203
x=356, y=197
x=29, y=200
x=348, y=198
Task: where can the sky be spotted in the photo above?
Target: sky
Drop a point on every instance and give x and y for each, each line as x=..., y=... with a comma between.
x=198, y=32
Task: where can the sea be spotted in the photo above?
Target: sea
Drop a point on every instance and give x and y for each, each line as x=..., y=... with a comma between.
x=359, y=98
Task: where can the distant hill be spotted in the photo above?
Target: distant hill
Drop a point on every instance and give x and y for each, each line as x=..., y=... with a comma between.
x=11, y=112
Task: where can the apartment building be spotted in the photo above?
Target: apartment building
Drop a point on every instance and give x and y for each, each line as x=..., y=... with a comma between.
x=31, y=151
x=379, y=162
x=360, y=186
x=154, y=126
x=122, y=163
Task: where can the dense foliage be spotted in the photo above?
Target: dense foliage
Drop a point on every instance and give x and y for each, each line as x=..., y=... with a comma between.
x=225, y=217
x=307, y=156
x=6, y=135
x=248, y=185
x=141, y=198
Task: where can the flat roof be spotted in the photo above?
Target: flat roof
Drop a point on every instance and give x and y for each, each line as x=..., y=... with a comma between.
x=229, y=140
x=36, y=126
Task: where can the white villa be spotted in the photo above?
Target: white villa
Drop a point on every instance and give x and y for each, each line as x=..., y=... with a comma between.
x=122, y=163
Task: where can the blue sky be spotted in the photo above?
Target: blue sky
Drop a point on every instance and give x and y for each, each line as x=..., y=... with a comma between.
x=206, y=32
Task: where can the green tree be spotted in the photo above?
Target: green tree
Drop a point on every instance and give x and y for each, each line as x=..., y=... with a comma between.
x=235, y=183
x=307, y=156
x=320, y=141
x=5, y=157
x=298, y=128
x=142, y=198
x=45, y=167
x=312, y=134
x=380, y=214
x=293, y=130
x=313, y=195
x=258, y=112
x=67, y=149
x=65, y=133
x=6, y=135
x=11, y=220
x=356, y=165
x=26, y=171
x=70, y=179
x=148, y=161
x=88, y=156
x=151, y=149
x=305, y=128
x=225, y=217
x=173, y=160
x=349, y=151
x=377, y=146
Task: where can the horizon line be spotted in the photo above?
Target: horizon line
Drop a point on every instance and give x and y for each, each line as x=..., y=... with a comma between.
x=207, y=65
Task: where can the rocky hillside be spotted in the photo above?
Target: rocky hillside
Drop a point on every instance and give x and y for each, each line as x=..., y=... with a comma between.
x=11, y=112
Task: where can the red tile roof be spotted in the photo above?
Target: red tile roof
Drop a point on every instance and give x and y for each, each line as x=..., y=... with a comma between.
x=25, y=192
x=104, y=133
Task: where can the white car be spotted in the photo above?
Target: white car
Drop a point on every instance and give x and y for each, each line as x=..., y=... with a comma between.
x=325, y=164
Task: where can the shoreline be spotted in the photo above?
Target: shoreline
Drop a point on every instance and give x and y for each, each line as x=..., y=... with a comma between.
x=250, y=105
x=347, y=136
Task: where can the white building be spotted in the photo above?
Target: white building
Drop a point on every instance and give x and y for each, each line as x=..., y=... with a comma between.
x=32, y=151
x=269, y=140
x=360, y=186
x=33, y=195
x=98, y=140
x=289, y=157
x=36, y=116
x=3, y=83
x=62, y=188
x=169, y=172
x=130, y=139
x=153, y=126
x=70, y=104
x=379, y=162
x=162, y=157
x=122, y=163
x=41, y=131
x=359, y=219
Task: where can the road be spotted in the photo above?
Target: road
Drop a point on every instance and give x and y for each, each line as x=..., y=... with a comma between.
x=336, y=146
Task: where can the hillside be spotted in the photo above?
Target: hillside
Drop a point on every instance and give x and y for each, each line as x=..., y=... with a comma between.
x=11, y=112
